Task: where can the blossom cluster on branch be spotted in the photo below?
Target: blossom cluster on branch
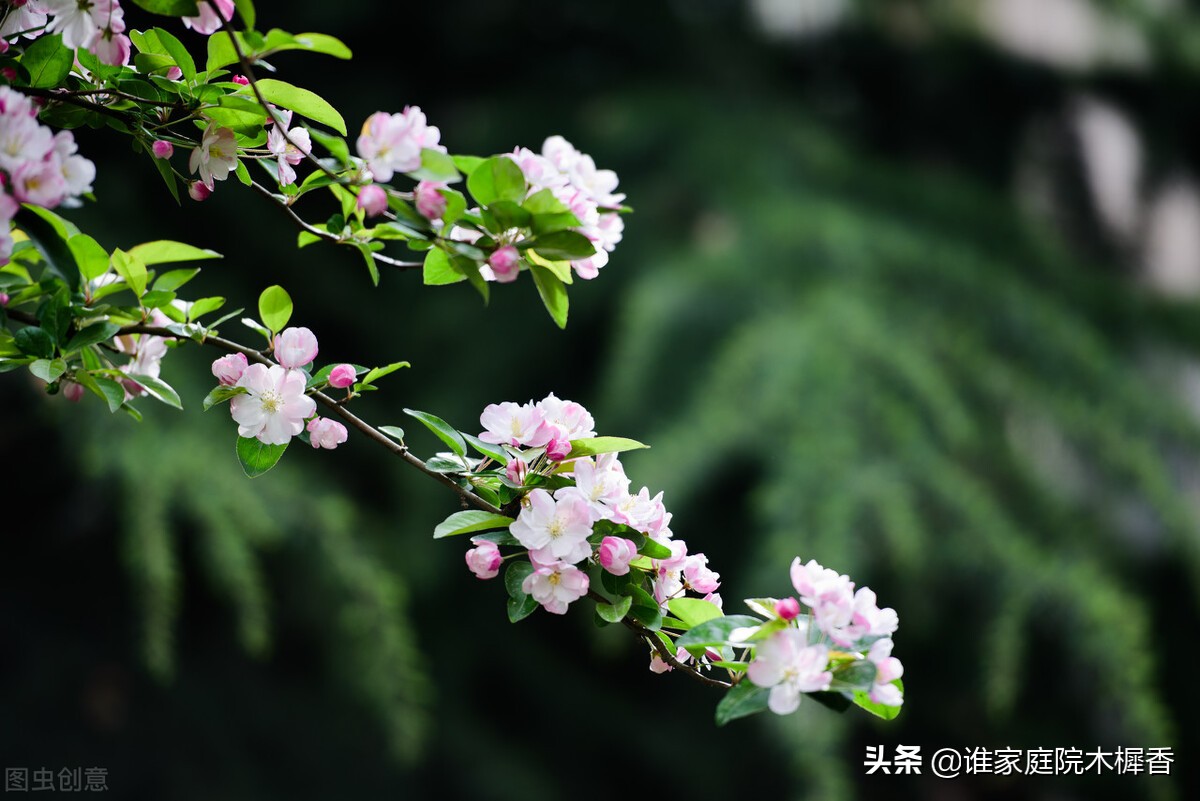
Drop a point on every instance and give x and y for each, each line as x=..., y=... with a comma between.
x=540, y=490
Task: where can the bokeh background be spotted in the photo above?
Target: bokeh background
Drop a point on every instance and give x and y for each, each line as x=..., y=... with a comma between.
x=911, y=288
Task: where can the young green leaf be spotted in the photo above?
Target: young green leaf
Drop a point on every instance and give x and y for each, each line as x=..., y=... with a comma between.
x=716, y=631
x=594, y=446
x=257, y=457
x=89, y=256
x=303, y=102
x=222, y=394
x=862, y=699
x=379, y=372
x=442, y=429
x=552, y=292
x=132, y=269
x=47, y=61
x=468, y=522
x=616, y=611
x=693, y=611
x=275, y=307
x=743, y=699
x=497, y=178
x=169, y=8
x=158, y=389
x=162, y=251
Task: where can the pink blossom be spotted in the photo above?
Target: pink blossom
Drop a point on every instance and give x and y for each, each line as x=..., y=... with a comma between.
x=72, y=390
x=554, y=530
x=40, y=183
x=326, y=433
x=615, y=554
x=511, y=424
x=786, y=664
x=558, y=449
x=392, y=143
x=601, y=483
x=22, y=139
x=208, y=21
x=699, y=577
x=788, y=608
x=570, y=418
x=288, y=149
x=26, y=19
x=175, y=73
x=295, y=347
x=147, y=353
x=275, y=406
x=484, y=559
x=240, y=80
x=430, y=203
x=81, y=21
x=216, y=155
x=555, y=585
x=228, y=369
x=668, y=582
x=198, y=191
x=4, y=298
x=516, y=470
x=342, y=376
x=887, y=670
x=77, y=171
x=373, y=200
x=162, y=149
x=660, y=665
x=111, y=46
x=539, y=171
x=505, y=263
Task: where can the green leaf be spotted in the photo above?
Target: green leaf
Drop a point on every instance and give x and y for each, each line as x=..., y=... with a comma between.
x=257, y=457
x=563, y=245
x=275, y=307
x=521, y=608
x=319, y=43
x=494, y=452
x=112, y=391
x=162, y=251
x=303, y=102
x=436, y=166
x=174, y=279
x=442, y=429
x=395, y=432
x=33, y=341
x=167, y=43
x=645, y=609
x=467, y=164
x=616, y=611
x=655, y=550
x=169, y=8
x=47, y=61
x=132, y=269
x=380, y=372
x=856, y=675
x=438, y=271
x=553, y=293
x=158, y=389
x=220, y=51
x=497, y=178
x=514, y=577
x=561, y=269
x=91, y=335
x=222, y=394
x=743, y=699
x=204, y=306
x=91, y=259
x=246, y=9
x=693, y=611
x=861, y=699
x=716, y=631
x=336, y=145
x=51, y=234
x=47, y=370
x=470, y=521
x=372, y=270
x=596, y=445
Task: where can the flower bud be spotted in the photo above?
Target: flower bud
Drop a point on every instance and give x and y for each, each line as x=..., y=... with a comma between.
x=516, y=470
x=506, y=264
x=430, y=203
x=326, y=433
x=228, y=369
x=342, y=376
x=72, y=390
x=484, y=559
x=788, y=608
x=198, y=191
x=295, y=347
x=241, y=80
x=558, y=449
x=174, y=73
x=373, y=200
x=615, y=554
x=162, y=149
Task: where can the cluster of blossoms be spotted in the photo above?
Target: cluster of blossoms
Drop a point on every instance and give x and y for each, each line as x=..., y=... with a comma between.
x=841, y=625
x=274, y=404
x=37, y=165
x=556, y=527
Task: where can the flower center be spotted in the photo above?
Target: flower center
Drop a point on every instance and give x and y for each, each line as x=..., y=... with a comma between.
x=555, y=529
x=271, y=401
x=554, y=578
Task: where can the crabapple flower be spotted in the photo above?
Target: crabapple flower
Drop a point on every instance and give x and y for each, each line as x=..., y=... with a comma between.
x=162, y=149
x=554, y=530
x=147, y=352
x=509, y=424
x=342, y=376
x=295, y=347
x=26, y=19
x=786, y=664
x=228, y=369
x=240, y=80
x=80, y=21
x=40, y=183
x=660, y=665
x=615, y=554
x=325, y=433
x=887, y=670
x=555, y=585
x=392, y=143
x=601, y=483
x=77, y=171
x=698, y=575
x=430, y=203
x=505, y=263
x=484, y=559
x=216, y=155
x=198, y=191
x=373, y=200
x=668, y=582
x=558, y=449
x=111, y=46
x=570, y=418
x=208, y=22
x=288, y=149
x=516, y=470
x=788, y=609
x=275, y=407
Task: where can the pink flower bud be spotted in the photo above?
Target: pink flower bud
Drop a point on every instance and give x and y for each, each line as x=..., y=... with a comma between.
x=506, y=264
x=3, y=298
x=484, y=559
x=342, y=376
x=326, y=433
x=698, y=576
x=241, y=80
x=198, y=191
x=8, y=72
x=228, y=369
x=162, y=149
x=295, y=347
x=174, y=73
x=558, y=449
x=615, y=554
x=516, y=470
x=431, y=204
x=788, y=608
x=72, y=390
x=373, y=200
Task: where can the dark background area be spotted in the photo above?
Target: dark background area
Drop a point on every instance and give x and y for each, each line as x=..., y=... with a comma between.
x=871, y=308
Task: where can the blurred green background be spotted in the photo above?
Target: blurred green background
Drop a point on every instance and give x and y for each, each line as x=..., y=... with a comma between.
x=911, y=288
